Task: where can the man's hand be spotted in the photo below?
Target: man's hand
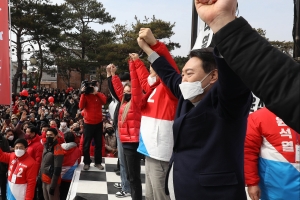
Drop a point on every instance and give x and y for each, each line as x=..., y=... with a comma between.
x=23, y=117
x=134, y=56
x=216, y=13
x=108, y=70
x=113, y=69
x=143, y=44
x=254, y=192
x=147, y=35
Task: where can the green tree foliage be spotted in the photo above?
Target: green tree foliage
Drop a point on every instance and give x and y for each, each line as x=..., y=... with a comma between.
x=22, y=16
x=79, y=41
x=126, y=41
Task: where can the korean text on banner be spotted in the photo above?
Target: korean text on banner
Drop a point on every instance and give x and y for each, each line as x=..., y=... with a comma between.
x=4, y=55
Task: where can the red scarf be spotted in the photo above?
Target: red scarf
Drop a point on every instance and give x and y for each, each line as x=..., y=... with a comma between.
x=146, y=96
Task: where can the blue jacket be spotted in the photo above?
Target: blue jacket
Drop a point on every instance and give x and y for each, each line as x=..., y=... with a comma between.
x=208, y=153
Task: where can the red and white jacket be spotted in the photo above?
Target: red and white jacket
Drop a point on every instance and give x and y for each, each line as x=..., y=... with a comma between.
x=129, y=130
x=22, y=173
x=270, y=156
x=156, y=139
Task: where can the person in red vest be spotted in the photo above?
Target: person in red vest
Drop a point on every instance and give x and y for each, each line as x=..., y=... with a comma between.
x=22, y=172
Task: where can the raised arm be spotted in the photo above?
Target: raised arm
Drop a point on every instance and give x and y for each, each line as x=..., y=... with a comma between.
x=109, y=81
x=136, y=89
x=162, y=67
x=118, y=87
x=270, y=74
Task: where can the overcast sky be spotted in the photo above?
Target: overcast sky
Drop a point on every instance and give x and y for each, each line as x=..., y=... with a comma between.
x=274, y=16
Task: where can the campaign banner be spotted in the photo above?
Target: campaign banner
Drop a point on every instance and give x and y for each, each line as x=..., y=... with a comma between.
x=204, y=37
x=4, y=55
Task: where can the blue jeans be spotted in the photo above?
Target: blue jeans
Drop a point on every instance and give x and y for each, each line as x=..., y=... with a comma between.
x=124, y=182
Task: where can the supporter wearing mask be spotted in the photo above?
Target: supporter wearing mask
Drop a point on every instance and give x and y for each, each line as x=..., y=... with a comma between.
x=209, y=126
x=110, y=140
x=22, y=172
x=14, y=120
x=32, y=119
x=51, y=166
x=158, y=113
x=11, y=138
x=73, y=108
x=129, y=120
x=60, y=136
x=93, y=125
x=64, y=127
x=114, y=113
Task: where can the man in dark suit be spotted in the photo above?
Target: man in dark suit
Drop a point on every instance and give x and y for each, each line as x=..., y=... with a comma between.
x=210, y=124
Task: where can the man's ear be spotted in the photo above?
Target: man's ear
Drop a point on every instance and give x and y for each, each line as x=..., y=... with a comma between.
x=214, y=76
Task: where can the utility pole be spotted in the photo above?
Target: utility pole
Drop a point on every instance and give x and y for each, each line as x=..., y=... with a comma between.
x=194, y=31
x=296, y=30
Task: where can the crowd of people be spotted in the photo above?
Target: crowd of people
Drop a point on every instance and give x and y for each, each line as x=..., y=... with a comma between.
x=43, y=131
x=193, y=127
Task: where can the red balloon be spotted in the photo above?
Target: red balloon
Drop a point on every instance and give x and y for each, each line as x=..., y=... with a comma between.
x=32, y=103
x=24, y=83
x=36, y=95
x=34, y=87
x=24, y=93
x=51, y=99
x=37, y=99
x=70, y=88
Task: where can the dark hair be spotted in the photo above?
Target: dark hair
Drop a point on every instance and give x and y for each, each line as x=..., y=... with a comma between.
x=207, y=58
x=44, y=124
x=124, y=76
x=69, y=137
x=22, y=141
x=9, y=130
x=33, y=129
x=53, y=130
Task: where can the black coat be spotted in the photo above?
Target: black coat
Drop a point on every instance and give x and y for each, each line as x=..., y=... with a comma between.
x=208, y=153
x=273, y=76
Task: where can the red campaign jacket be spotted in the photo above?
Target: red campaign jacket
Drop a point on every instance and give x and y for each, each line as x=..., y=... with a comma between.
x=264, y=140
x=35, y=149
x=92, y=104
x=129, y=130
x=92, y=147
x=158, y=113
x=25, y=171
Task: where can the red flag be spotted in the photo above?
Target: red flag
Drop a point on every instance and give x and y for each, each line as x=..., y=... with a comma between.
x=4, y=55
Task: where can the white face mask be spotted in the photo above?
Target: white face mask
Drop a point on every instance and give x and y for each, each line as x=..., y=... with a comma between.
x=151, y=80
x=19, y=152
x=190, y=90
x=96, y=89
x=10, y=138
x=63, y=124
